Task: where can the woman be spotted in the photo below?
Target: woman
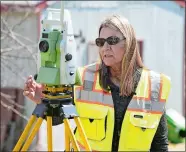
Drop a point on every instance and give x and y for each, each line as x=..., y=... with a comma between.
x=121, y=103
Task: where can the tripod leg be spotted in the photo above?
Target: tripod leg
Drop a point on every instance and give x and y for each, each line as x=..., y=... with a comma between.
x=32, y=135
x=82, y=133
x=49, y=133
x=67, y=139
x=25, y=133
x=72, y=137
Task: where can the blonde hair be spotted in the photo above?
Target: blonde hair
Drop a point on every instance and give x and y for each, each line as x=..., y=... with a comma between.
x=131, y=58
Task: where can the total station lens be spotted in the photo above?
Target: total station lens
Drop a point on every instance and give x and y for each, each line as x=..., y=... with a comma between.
x=43, y=46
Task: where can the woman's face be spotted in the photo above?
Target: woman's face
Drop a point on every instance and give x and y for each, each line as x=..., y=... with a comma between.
x=111, y=55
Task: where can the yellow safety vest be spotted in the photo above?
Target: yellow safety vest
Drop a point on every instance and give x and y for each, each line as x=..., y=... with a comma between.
x=95, y=108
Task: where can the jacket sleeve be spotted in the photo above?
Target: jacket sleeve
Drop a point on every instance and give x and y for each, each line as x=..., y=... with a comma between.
x=160, y=140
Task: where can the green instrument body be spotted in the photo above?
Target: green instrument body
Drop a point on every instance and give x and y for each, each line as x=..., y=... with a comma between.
x=49, y=46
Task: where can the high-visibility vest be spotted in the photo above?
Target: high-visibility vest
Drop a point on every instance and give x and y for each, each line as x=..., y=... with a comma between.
x=96, y=111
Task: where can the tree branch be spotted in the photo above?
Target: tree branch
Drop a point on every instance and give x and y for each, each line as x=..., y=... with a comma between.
x=9, y=99
x=6, y=50
x=17, y=57
x=14, y=110
x=19, y=35
x=18, y=41
x=15, y=72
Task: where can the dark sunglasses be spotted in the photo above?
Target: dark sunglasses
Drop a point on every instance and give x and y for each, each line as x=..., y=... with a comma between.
x=112, y=40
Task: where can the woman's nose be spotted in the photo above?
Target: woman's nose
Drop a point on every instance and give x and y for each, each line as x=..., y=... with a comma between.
x=106, y=46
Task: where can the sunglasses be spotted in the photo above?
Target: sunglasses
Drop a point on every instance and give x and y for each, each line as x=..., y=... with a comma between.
x=112, y=40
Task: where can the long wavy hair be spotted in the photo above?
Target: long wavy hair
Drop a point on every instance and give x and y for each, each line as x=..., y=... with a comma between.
x=131, y=58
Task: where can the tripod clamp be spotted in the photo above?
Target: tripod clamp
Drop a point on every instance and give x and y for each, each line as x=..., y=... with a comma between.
x=58, y=109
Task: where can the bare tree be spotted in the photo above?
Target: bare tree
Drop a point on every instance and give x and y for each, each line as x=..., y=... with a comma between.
x=18, y=51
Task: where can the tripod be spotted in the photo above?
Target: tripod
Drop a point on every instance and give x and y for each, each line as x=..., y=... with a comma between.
x=55, y=109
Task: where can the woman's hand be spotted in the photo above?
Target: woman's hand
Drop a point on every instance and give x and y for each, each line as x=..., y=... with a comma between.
x=33, y=90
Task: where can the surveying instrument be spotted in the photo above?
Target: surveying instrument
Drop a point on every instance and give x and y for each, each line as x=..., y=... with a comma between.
x=58, y=74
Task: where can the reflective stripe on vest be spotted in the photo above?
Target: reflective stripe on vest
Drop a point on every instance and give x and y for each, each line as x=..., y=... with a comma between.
x=89, y=77
x=152, y=103
x=88, y=93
